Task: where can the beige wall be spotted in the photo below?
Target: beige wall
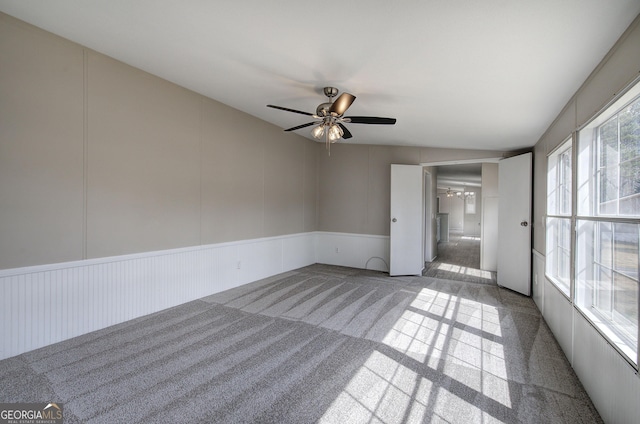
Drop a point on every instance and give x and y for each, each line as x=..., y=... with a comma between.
x=490, y=184
x=618, y=69
x=490, y=219
x=41, y=147
x=354, y=183
x=98, y=158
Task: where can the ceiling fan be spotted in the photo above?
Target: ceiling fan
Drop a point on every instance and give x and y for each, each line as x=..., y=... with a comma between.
x=330, y=119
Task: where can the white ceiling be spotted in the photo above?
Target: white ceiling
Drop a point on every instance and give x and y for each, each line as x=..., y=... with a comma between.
x=489, y=74
x=457, y=177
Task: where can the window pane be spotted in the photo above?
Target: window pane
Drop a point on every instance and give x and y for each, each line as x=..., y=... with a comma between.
x=564, y=253
x=625, y=305
x=608, y=191
x=559, y=181
x=630, y=187
x=565, y=183
x=630, y=132
x=603, y=291
x=470, y=202
x=618, y=163
x=604, y=246
x=558, y=253
x=608, y=138
x=626, y=249
x=607, y=280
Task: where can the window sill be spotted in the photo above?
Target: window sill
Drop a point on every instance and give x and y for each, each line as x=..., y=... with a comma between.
x=616, y=341
x=560, y=285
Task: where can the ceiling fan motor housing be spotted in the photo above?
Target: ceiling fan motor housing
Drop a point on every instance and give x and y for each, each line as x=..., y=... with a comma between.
x=330, y=92
x=323, y=109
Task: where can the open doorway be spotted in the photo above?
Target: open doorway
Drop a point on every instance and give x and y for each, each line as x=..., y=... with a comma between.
x=464, y=219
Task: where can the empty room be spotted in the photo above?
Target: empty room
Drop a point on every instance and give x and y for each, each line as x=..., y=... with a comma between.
x=339, y=212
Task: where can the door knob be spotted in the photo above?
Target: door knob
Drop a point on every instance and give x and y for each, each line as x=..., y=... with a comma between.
x=394, y=220
x=524, y=223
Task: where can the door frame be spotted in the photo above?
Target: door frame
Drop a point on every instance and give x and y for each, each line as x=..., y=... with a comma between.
x=429, y=206
x=456, y=162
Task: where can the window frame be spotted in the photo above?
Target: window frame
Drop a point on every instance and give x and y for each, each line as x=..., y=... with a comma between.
x=587, y=208
x=556, y=156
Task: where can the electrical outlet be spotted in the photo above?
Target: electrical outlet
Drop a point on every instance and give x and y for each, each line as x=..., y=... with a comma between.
x=238, y=265
x=337, y=250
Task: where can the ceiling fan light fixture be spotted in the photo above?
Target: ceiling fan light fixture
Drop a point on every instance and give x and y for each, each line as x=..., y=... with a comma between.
x=335, y=132
x=318, y=132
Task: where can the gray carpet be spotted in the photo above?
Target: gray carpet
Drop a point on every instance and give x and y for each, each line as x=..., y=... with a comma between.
x=459, y=259
x=319, y=344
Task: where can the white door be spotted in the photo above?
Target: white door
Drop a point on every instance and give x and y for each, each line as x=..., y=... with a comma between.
x=514, y=228
x=406, y=229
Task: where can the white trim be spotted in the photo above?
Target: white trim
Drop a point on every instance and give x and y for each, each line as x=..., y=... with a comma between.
x=618, y=102
x=463, y=161
x=109, y=259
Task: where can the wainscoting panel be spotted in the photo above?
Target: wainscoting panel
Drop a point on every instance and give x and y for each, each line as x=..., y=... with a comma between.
x=355, y=250
x=259, y=260
x=612, y=384
x=45, y=304
x=537, y=278
x=298, y=251
x=558, y=313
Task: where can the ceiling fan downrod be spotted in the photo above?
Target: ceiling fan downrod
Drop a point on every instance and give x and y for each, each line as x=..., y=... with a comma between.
x=323, y=109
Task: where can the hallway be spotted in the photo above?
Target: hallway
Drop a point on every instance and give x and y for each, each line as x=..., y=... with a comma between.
x=459, y=259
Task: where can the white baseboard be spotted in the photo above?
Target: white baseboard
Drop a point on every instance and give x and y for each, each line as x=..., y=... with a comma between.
x=354, y=250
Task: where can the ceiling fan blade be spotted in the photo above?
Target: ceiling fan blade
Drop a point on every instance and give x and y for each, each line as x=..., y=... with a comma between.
x=347, y=133
x=342, y=103
x=290, y=110
x=301, y=126
x=371, y=120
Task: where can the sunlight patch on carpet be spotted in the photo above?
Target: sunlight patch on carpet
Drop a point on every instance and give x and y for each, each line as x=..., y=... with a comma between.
x=381, y=391
x=463, y=270
x=459, y=337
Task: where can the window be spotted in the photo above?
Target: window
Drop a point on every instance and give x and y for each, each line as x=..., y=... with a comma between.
x=470, y=202
x=608, y=223
x=619, y=163
x=558, y=223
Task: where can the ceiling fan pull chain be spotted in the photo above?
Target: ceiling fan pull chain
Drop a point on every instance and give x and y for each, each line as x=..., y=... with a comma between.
x=327, y=144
